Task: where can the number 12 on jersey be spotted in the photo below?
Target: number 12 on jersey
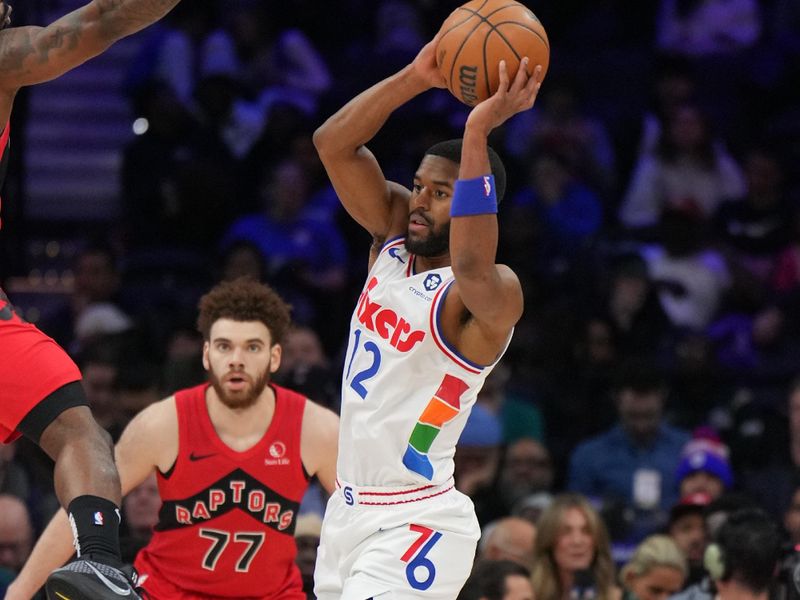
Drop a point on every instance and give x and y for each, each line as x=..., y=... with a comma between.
x=358, y=380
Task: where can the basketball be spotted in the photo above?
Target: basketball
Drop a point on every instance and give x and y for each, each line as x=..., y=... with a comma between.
x=477, y=36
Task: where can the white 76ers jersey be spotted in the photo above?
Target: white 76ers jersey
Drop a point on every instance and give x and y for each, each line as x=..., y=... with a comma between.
x=406, y=393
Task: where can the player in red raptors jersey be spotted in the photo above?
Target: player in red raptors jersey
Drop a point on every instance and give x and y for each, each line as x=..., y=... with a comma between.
x=40, y=392
x=232, y=459
x=434, y=317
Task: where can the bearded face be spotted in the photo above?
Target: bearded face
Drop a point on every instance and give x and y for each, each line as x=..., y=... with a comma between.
x=240, y=359
x=238, y=389
x=435, y=243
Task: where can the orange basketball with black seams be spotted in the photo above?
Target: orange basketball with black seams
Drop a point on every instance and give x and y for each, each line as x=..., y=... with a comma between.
x=478, y=35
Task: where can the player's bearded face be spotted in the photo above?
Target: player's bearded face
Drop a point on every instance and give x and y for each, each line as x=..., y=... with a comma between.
x=435, y=242
x=238, y=389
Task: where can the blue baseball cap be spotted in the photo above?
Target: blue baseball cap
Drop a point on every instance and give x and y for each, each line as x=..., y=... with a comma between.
x=483, y=429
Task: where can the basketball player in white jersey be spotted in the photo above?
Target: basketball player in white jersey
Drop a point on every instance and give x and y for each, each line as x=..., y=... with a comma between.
x=435, y=315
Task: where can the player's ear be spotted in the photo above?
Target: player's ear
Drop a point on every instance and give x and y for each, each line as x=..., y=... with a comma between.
x=206, y=363
x=275, y=357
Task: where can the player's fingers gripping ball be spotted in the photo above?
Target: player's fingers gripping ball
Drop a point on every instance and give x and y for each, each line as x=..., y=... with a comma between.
x=478, y=35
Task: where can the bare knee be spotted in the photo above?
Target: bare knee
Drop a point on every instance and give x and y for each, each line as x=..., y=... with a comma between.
x=75, y=427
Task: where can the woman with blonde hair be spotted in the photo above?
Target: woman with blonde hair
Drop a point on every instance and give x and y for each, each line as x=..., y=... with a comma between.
x=572, y=550
x=656, y=570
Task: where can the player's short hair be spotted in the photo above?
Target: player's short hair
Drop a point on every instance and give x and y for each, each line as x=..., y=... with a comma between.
x=451, y=150
x=244, y=300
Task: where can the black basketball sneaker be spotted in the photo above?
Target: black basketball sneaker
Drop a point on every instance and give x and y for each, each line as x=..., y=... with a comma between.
x=85, y=579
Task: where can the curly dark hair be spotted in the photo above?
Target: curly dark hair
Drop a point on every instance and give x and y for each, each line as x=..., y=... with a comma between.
x=244, y=300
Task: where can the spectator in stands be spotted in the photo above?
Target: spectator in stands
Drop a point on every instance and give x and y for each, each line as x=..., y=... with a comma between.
x=674, y=85
x=95, y=306
x=707, y=27
x=271, y=65
x=565, y=212
x=704, y=467
x=16, y=533
x=531, y=507
x=306, y=535
x=306, y=368
x=509, y=538
x=497, y=580
x=139, y=515
x=656, y=570
x=99, y=364
x=243, y=259
x=635, y=461
x=306, y=257
x=477, y=460
x=518, y=414
x=156, y=207
x=572, y=550
x=757, y=227
x=688, y=171
x=561, y=125
x=791, y=518
x=691, y=276
x=526, y=469
x=742, y=560
x=687, y=529
x=786, y=279
x=633, y=306
x=775, y=482
x=168, y=54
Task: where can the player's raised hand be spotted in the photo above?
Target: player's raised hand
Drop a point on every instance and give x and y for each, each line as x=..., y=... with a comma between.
x=511, y=97
x=425, y=64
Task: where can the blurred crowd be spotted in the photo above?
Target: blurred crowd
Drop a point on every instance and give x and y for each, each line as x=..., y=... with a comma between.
x=652, y=215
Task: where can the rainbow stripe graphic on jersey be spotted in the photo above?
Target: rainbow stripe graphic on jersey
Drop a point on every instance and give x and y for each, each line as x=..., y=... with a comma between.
x=443, y=407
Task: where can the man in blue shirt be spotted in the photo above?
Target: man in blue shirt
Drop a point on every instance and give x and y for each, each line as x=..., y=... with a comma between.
x=634, y=462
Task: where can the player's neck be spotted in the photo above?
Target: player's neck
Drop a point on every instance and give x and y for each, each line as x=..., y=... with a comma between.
x=427, y=263
x=241, y=428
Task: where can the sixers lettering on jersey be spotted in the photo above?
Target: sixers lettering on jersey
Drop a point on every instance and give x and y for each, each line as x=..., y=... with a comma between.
x=386, y=322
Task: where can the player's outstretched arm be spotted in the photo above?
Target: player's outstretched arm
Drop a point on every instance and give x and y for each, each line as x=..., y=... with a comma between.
x=352, y=168
x=30, y=55
x=136, y=456
x=490, y=292
x=319, y=445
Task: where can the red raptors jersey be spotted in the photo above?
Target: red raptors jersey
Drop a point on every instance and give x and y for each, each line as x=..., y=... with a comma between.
x=226, y=525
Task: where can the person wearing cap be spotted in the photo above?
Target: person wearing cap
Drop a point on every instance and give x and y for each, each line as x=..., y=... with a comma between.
x=704, y=468
x=687, y=529
x=635, y=461
x=478, y=452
